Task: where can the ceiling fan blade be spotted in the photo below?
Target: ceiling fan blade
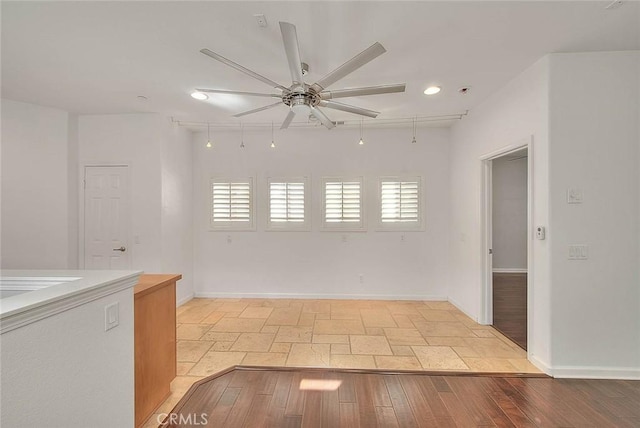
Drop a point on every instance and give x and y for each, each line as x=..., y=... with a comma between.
x=290, y=40
x=288, y=119
x=369, y=90
x=253, y=94
x=351, y=109
x=244, y=113
x=350, y=66
x=322, y=117
x=242, y=69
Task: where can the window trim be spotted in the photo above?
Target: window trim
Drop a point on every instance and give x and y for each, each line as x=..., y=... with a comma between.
x=360, y=226
x=417, y=226
x=233, y=226
x=304, y=226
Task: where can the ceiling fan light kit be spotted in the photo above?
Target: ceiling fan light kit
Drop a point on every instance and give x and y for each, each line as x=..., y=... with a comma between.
x=305, y=99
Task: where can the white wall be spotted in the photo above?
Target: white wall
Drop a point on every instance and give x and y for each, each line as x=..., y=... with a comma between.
x=594, y=147
x=514, y=114
x=79, y=379
x=132, y=139
x=177, y=207
x=509, y=225
x=159, y=157
x=316, y=263
x=35, y=165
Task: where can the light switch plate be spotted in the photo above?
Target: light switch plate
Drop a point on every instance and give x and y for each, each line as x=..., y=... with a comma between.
x=111, y=316
x=578, y=252
x=574, y=196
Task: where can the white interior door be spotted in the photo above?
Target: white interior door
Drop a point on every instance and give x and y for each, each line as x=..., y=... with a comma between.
x=106, y=218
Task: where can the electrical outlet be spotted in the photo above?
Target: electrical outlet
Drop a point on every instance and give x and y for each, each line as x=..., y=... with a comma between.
x=574, y=196
x=361, y=276
x=344, y=238
x=111, y=316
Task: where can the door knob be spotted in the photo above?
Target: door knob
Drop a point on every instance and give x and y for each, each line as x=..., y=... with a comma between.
x=123, y=249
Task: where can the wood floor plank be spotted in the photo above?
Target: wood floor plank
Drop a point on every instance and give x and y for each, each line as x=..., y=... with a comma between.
x=400, y=402
x=386, y=417
x=383, y=399
x=417, y=401
x=349, y=415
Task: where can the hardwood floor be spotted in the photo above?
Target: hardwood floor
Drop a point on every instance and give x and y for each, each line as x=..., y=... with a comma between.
x=510, y=306
x=270, y=397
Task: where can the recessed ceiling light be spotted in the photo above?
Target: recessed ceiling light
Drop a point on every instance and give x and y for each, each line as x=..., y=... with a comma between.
x=199, y=96
x=432, y=90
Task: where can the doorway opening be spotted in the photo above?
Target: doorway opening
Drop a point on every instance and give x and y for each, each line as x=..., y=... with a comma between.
x=506, y=248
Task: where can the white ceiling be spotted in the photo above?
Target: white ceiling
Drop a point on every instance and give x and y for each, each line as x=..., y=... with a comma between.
x=97, y=57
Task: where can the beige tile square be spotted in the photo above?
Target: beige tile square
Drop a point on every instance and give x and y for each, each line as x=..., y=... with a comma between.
x=238, y=325
x=269, y=329
x=377, y=318
x=374, y=331
x=339, y=348
x=465, y=351
x=182, y=368
x=323, y=316
x=353, y=361
x=309, y=355
x=483, y=333
x=294, y=334
x=345, y=326
x=437, y=315
x=403, y=321
x=441, y=328
x=316, y=306
x=191, y=350
x=233, y=306
x=234, y=314
x=212, y=362
x=370, y=345
x=330, y=338
x=222, y=346
x=489, y=364
x=213, y=317
x=439, y=358
x=221, y=337
x=445, y=341
x=191, y=331
x=195, y=314
x=345, y=313
x=284, y=316
x=494, y=347
x=524, y=366
x=253, y=342
x=256, y=312
x=402, y=350
x=404, y=336
x=406, y=308
x=280, y=347
x=446, y=306
x=306, y=319
x=397, y=363
x=264, y=359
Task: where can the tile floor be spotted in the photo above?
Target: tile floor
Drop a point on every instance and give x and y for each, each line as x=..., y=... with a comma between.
x=214, y=334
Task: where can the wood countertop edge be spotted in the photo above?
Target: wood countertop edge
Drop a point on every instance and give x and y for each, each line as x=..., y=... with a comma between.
x=150, y=282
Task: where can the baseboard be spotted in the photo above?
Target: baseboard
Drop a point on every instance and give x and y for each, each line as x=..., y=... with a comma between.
x=221, y=295
x=461, y=309
x=578, y=372
x=509, y=270
x=539, y=364
x=185, y=300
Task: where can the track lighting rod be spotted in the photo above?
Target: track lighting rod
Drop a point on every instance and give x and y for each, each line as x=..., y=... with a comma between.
x=342, y=124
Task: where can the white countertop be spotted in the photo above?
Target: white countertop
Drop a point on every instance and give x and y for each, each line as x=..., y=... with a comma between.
x=70, y=288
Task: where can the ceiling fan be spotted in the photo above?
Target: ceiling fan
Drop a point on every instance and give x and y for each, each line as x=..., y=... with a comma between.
x=302, y=98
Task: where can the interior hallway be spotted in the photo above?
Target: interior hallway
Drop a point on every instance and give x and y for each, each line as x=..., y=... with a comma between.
x=214, y=334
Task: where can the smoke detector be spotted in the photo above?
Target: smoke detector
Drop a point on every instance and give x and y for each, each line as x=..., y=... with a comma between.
x=464, y=90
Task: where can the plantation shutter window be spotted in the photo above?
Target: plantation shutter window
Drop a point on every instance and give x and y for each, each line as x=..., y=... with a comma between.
x=232, y=204
x=342, y=204
x=400, y=203
x=288, y=204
